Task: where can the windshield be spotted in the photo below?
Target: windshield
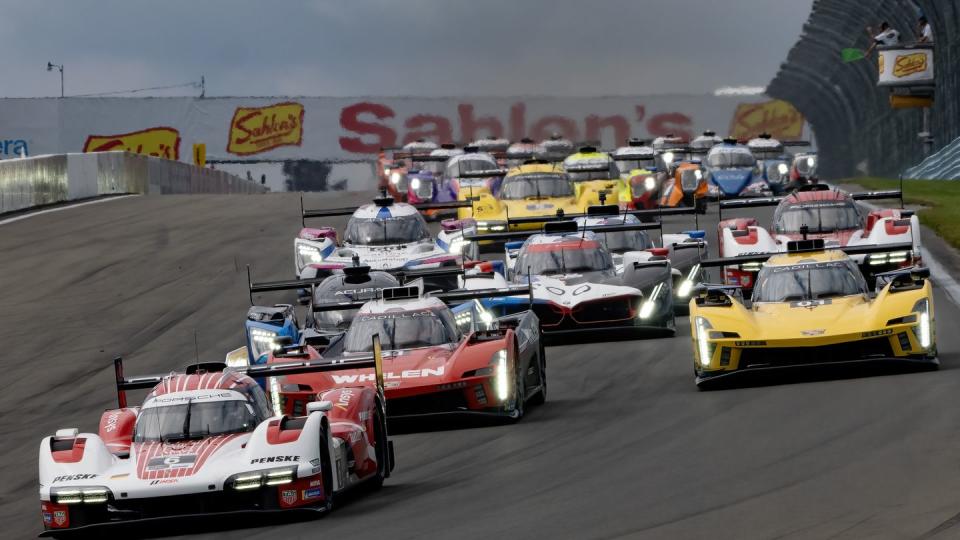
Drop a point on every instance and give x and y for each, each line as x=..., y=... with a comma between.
x=381, y=232
x=194, y=420
x=626, y=165
x=808, y=282
x=524, y=186
x=401, y=330
x=624, y=241
x=819, y=218
x=460, y=166
x=564, y=258
x=727, y=159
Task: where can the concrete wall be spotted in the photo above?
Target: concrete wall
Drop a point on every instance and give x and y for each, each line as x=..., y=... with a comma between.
x=29, y=182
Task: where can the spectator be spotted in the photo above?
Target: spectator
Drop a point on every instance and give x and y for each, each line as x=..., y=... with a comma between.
x=887, y=36
x=924, y=31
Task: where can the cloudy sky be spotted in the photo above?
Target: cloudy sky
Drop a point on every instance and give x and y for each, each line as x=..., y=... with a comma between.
x=396, y=47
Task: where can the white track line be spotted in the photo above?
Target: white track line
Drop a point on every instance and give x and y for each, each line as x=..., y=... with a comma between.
x=64, y=207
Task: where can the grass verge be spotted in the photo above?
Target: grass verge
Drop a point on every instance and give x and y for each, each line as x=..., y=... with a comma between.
x=940, y=197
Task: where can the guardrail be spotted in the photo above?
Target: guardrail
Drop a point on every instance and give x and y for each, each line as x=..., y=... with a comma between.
x=857, y=130
x=36, y=181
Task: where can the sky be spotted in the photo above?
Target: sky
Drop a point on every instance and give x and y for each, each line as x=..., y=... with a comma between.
x=395, y=47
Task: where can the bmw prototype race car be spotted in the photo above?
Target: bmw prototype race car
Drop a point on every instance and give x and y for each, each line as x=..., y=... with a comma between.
x=732, y=172
x=207, y=441
x=385, y=235
x=580, y=290
x=812, y=305
x=437, y=359
x=817, y=211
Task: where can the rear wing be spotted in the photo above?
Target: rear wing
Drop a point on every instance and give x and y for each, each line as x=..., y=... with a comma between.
x=656, y=212
x=773, y=201
x=559, y=229
x=804, y=246
x=348, y=211
x=452, y=297
x=374, y=361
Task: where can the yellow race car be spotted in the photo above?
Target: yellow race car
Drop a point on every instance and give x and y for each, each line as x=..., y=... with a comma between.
x=597, y=179
x=810, y=306
x=536, y=188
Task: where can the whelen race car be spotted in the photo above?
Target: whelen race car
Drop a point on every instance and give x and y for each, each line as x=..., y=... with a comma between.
x=385, y=235
x=206, y=441
x=437, y=360
x=812, y=305
x=578, y=289
x=817, y=211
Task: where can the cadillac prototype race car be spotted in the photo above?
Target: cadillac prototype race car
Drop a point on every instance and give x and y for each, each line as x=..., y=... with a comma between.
x=437, y=359
x=817, y=211
x=812, y=305
x=207, y=441
x=385, y=235
x=578, y=288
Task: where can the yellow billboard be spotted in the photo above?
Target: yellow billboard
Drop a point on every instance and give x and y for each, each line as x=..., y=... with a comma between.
x=157, y=141
x=776, y=117
x=258, y=129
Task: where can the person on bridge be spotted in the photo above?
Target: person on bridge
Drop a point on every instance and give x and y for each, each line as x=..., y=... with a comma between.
x=924, y=31
x=886, y=36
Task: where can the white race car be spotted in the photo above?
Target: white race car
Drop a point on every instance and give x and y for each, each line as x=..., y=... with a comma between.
x=208, y=441
x=384, y=235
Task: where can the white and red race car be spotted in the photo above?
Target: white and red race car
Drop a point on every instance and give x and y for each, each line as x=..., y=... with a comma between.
x=207, y=441
x=819, y=211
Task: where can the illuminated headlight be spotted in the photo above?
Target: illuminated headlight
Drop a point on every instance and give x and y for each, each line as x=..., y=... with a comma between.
x=386, y=171
x=698, y=174
x=258, y=479
x=395, y=178
x=649, y=183
x=811, y=162
x=415, y=184
x=275, y=396
x=924, y=332
x=502, y=381
x=308, y=254
x=646, y=309
x=684, y=290
x=279, y=477
x=897, y=256
x=86, y=495
x=894, y=257
x=668, y=157
x=751, y=267
x=456, y=246
x=495, y=226
x=264, y=338
x=783, y=169
x=702, y=328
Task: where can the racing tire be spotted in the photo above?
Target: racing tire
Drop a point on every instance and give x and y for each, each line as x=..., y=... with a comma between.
x=541, y=397
x=326, y=465
x=516, y=410
x=381, y=449
x=700, y=205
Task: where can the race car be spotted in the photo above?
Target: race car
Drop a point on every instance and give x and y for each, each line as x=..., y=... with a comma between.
x=803, y=170
x=437, y=360
x=580, y=291
x=596, y=178
x=470, y=174
x=637, y=165
x=556, y=148
x=817, y=211
x=687, y=183
x=520, y=152
x=731, y=171
x=393, y=169
x=774, y=162
x=812, y=305
x=536, y=188
x=491, y=145
x=426, y=182
x=385, y=235
x=206, y=441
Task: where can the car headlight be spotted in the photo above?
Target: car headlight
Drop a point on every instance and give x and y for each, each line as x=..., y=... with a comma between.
x=307, y=254
x=783, y=169
x=456, y=246
x=647, y=307
x=78, y=495
x=924, y=330
x=894, y=257
x=649, y=183
x=701, y=331
x=415, y=184
x=274, y=385
x=698, y=174
x=684, y=290
x=668, y=157
x=257, y=479
x=502, y=381
x=262, y=342
x=492, y=226
x=395, y=178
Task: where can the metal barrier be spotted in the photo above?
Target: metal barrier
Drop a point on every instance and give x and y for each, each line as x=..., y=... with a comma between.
x=29, y=182
x=857, y=130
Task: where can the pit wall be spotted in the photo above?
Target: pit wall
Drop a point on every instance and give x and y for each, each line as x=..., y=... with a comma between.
x=35, y=181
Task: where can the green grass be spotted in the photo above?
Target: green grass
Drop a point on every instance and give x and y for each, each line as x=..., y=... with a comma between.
x=940, y=197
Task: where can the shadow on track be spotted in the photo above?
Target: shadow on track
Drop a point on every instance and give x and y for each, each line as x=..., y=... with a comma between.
x=809, y=374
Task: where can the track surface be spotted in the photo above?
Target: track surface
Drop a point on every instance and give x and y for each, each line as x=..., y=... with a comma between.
x=626, y=446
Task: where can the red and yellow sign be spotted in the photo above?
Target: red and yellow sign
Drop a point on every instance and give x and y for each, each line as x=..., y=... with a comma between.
x=258, y=129
x=776, y=117
x=908, y=64
x=158, y=141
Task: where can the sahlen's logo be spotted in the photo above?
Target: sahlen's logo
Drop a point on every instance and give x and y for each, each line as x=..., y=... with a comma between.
x=157, y=141
x=776, y=117
x=257, y=129
x=909, y=64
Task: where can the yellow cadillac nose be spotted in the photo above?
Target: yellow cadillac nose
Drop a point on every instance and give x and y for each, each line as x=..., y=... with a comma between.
x=596, y=178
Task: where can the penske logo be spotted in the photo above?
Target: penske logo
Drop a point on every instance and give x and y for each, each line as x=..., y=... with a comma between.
x=390, y=376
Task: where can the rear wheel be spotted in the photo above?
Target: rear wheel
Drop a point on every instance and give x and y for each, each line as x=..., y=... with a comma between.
x=519, y=391
x=327, y=468
x=541, y=397
x=381, y=449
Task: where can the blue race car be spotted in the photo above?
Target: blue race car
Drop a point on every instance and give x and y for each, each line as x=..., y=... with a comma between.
x=732, y=172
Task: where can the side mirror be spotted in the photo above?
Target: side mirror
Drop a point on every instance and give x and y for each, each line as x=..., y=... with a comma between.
x=319, y=406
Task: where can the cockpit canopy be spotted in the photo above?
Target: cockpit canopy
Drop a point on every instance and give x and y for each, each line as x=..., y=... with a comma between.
x=809, y=281
x=386, y=231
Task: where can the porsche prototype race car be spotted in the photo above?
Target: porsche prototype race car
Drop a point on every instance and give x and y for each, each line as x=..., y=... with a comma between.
x=385, y=235
x=817, y=211
x=437, y=360
x=207, y=441
x=812, y=305
x=732, y=171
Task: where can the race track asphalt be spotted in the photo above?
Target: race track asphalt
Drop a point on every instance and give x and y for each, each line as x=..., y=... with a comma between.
x=626, y=446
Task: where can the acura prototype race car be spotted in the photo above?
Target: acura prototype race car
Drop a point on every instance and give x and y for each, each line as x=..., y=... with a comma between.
x=207, y=441
x=818, y=211
x=437, y=359
x=812, y=305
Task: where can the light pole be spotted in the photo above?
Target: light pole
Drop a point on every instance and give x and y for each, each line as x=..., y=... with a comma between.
x=50, y=66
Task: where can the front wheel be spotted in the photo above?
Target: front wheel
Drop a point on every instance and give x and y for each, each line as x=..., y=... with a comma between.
x=541, y=396
x=381, y=449
x=326, y=465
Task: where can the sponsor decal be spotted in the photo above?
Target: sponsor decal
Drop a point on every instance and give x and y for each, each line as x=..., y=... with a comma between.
x=316, y=463
x=816, y=332
x=750, y=343
x=257, y=129
x=313, y=493
x=47, y=518
x=162, y=463
x=877, y=333
x=72, y=477
x=111, y=421
x=776, y=117
x=158, y=141
x=909, y=64
x=343, y=400
x=14, y=147
x=811, y=303
x=276, y=459
x=60, y=517
x=289, y=496
x=173, y=399
x=163, y=481
x=405, y=374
